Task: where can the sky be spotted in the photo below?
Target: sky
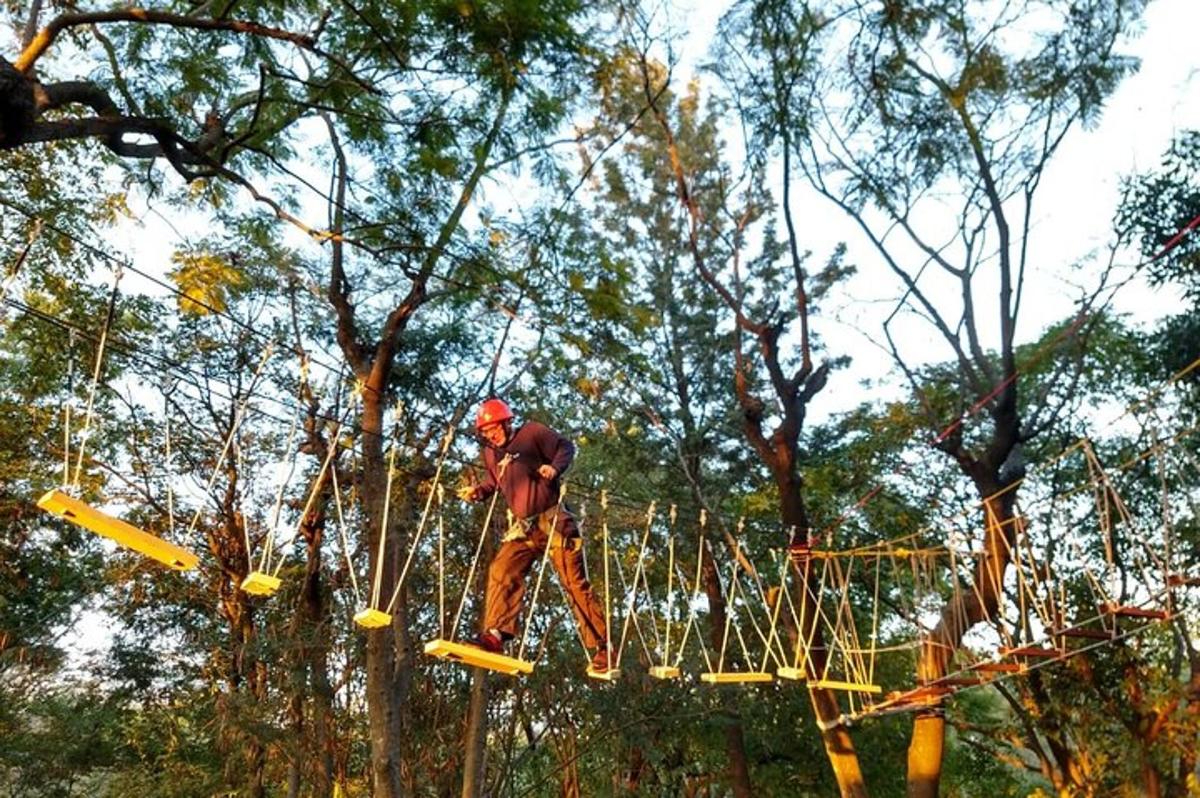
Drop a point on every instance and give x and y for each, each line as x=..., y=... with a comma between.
x=1075, y=206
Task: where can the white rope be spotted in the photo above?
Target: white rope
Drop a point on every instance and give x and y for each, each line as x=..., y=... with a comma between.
x=447, y=439
x=441, y=522
x=330, y=451
x=630, y=606
x=377, y=582
x=666, y=657
x=487, y=522
x=341, y=521
x=265, y=560
x=728, y=619
x=637, y=626
x=66, y=477
x=695, y=596
x=607, y=585
x=96, y=368
x=562, y=490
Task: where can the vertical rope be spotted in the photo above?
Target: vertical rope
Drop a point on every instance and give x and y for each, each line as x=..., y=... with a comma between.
x=537, y=586
x=437, y=481
x=666, y=657
x=487, y=522
x=170, y=466
x=337, y=501
x=66, y=477
x=381, y=553
x=633, y=591
x=96, y=368
x=330, y=451
x=265, y=558
x=607, y=579
x=694, y=594
x=441, y=561
x=729, y=610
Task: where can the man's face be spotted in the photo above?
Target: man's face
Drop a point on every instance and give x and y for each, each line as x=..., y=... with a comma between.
x=495, y=434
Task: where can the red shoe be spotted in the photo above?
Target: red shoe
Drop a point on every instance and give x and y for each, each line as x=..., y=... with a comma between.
x=493, y=644
x=601, y=662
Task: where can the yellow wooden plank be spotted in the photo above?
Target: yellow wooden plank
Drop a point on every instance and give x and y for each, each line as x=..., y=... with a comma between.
x=854, y=687
x=664, y=672
x=473, y=655
x=610, y=675
x=732, y=677
x=58, y=503
x=257, y=583
x=791, y=674
x=372, y=619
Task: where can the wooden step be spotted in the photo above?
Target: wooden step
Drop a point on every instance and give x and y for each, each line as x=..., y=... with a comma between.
x=610, y=675
x=372, y=619
x=68, y=507
x=473, y=655
x=1086, y=632
x=850, y=687
x=791, y=674
x=997, y=667
x=1134, y=612
x=664, y=672
x=1029, y=652
x=735, y=677
x=257, y=583
x=964, y=681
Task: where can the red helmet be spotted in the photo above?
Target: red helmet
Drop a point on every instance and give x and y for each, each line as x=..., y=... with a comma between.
x=493, y=411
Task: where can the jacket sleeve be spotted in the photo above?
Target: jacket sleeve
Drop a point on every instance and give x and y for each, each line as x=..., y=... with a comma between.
x=558, y=451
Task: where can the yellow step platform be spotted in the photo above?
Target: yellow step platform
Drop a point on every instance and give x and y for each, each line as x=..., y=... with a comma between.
x=610, y=675
x=473, y=655
x=372, y=619
x=735, y=677
x=664, y=672
x=791, y=674
x=852, y=687
x=58, y=503
x=257, y=583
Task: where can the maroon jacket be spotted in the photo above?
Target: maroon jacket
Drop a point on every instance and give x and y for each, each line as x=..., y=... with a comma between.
x=526, y=492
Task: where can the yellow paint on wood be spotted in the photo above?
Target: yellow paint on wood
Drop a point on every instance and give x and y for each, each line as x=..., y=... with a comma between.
x=58, y=503
x=732, y=677
x=473, y=655
x=257, y=583
x=372, y=619
x=853, y=687
x=664, y=672
x=610, y=675
x=791, y=674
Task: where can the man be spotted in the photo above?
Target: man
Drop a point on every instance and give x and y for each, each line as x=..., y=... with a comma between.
x=525, y=466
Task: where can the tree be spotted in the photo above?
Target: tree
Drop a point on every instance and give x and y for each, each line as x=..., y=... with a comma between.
x=906, y=104
x=772, y=389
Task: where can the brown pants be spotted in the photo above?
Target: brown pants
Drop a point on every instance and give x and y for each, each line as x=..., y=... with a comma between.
x=510, y=566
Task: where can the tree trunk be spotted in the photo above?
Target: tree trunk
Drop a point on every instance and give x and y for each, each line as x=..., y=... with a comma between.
x=475, y=737
x=388, y=655
x=926, y=749
x=312, y=634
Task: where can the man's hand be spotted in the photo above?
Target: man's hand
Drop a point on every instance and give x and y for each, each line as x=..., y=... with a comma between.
x=547, y=472
x=468, y=493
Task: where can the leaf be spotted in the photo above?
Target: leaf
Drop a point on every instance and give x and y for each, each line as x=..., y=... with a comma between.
x=206, y=281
